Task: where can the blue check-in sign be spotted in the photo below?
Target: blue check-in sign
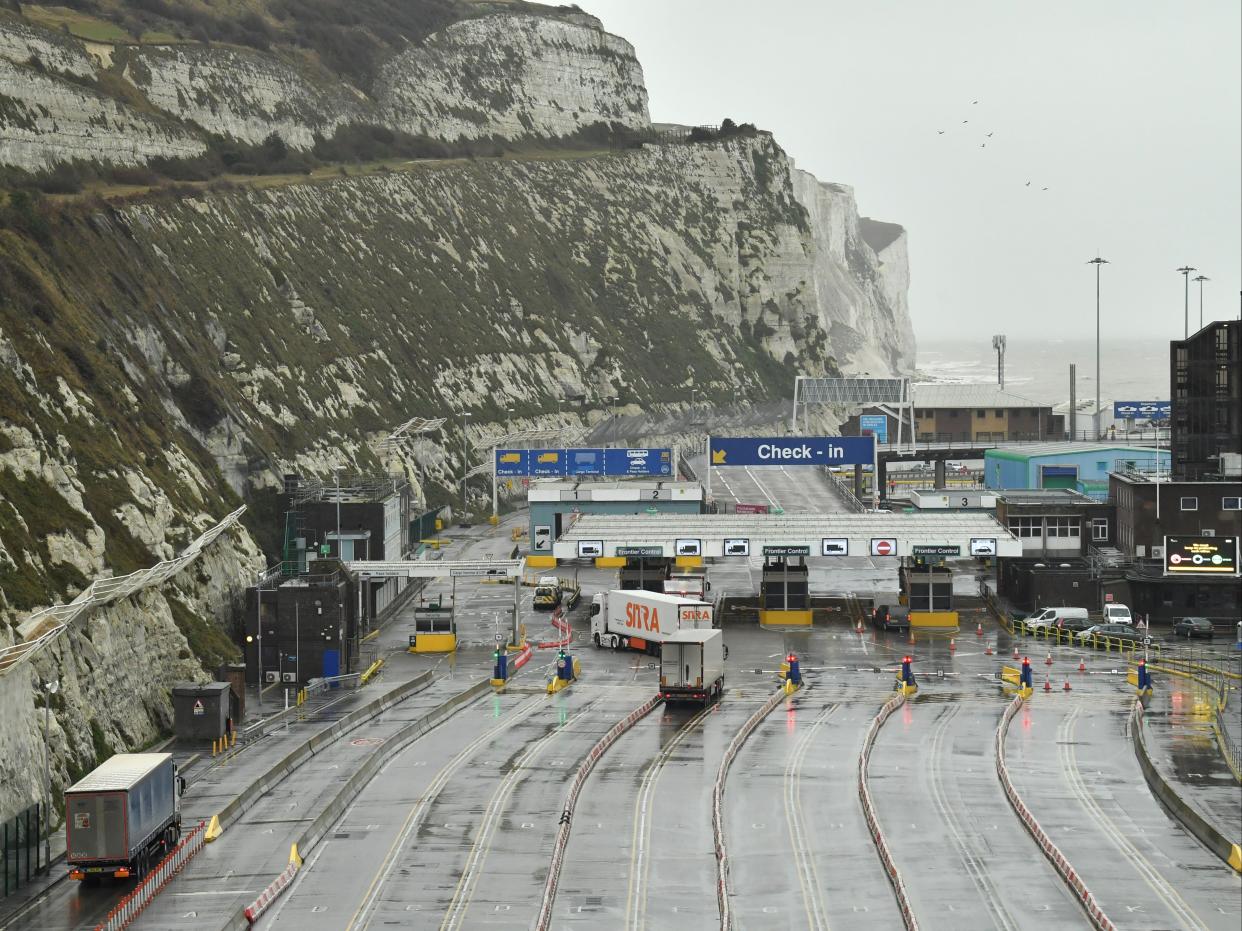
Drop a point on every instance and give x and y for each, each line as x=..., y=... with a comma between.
x=512, y=462
x=792, y=450
x=547, y=462
x=1142, y=410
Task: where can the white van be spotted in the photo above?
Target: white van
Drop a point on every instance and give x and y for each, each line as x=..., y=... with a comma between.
x=1068, y=618
x=1117, y=614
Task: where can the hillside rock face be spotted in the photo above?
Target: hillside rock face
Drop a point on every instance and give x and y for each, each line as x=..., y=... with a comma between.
x=503, y=75
x=164, y=359
x=514, y=76
x=243, y=94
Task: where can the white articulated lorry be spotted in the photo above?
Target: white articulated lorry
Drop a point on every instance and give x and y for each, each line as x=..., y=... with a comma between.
x=635, y=619
x=692, y=666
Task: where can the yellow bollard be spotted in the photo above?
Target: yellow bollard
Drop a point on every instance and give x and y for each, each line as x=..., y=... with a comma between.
x=234, y=741
x=214, y=748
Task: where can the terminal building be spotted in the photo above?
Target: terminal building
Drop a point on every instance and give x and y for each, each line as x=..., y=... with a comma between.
x=982, y=413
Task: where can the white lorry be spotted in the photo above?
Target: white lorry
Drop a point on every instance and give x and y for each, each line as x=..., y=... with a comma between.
x=689, y=584
x=692, y=666
x=635, y=619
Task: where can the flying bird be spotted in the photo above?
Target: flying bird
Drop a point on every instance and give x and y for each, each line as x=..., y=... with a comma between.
x=989, y=135
x=965, y=121
x=973, y=102
x=1044, y=189
x=983, y=145
x=1028, y=184
x=940, y=132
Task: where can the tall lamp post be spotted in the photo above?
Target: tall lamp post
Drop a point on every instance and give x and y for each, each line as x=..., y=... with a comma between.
x=1097, y=262
x=464, y=457
x=50, y=689
x=1186, y=270
x=1201, y=279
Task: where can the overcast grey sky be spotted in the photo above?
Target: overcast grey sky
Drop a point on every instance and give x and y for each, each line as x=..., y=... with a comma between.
x=1128, y=111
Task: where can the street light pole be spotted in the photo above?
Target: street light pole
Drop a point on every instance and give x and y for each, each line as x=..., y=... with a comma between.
x=1097, y=262
x=50, y=689
x=1201, y=279
x=464, y=460
x=1186, y=270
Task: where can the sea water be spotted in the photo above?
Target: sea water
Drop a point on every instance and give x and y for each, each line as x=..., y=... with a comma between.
x=1038, y=369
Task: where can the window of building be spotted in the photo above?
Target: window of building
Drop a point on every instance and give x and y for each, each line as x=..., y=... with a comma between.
x=1000, y=413
x=1099, y=529
x=1063, y=527
x=1231, y=504
x=980, y=414
x=1101, y=466
x=1024, y=527
x=1190, y=504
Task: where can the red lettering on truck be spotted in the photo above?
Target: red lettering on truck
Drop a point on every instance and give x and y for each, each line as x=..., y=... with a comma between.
x=641, y=616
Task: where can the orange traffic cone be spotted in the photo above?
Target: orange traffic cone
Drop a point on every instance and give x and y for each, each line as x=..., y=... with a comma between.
x=1048, y=661
x=952, y=645
x=1082, y=665
x=979, y=629
x=1047, y=684
x=1067, y=686
x=987, y=650
x=1015, y=652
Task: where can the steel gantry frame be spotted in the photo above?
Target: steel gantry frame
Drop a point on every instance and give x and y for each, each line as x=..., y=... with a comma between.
x=856, y=392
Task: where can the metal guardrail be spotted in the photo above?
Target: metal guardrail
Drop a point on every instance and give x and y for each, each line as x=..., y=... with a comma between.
x=42, y=627
x=873, y=822
x=845, y=492
x=544, y=919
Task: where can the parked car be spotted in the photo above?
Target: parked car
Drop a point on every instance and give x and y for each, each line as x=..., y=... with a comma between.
x=1095, y=634
x=1117, y=614
x=1193, y=627
x=1074, y=623
x=891, y=617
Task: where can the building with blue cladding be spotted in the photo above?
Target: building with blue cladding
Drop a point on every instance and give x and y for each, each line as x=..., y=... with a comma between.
x=1082, y=467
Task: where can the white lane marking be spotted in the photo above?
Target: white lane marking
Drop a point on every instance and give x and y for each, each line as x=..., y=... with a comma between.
x=804, y=859
x=1157, y=883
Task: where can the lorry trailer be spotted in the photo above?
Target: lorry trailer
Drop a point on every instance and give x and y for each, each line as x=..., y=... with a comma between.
x=124, y=817
x=634, y=619
x=692, y=666
x=689, y=583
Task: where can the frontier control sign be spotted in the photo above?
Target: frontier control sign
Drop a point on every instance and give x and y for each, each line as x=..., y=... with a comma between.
x=792, y=450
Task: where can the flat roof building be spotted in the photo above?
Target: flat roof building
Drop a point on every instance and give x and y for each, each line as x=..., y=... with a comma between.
x=1083, y=467
x=969, y=413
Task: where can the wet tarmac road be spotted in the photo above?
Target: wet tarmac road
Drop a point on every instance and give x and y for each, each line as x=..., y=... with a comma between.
x=486, y=791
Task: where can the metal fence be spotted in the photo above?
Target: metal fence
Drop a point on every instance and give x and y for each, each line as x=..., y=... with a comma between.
x=23, y=847
x=43, y=627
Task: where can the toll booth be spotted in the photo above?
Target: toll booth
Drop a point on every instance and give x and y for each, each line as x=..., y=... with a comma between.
x=784, y=588
x=645, y=573
x=928, y=591
x=435, y=625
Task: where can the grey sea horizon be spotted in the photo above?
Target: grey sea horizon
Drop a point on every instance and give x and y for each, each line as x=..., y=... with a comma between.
x=1038, y=369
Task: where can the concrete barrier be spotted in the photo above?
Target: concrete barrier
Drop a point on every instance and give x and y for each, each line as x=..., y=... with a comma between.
x=1206, y=832
x=1063, y=867
x=873, y=823
x=351, y=789
x=312, y=745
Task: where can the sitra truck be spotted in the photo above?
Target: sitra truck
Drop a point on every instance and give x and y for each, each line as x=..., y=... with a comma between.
x=635, y=619
x=692, y=666
x=124, y=817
